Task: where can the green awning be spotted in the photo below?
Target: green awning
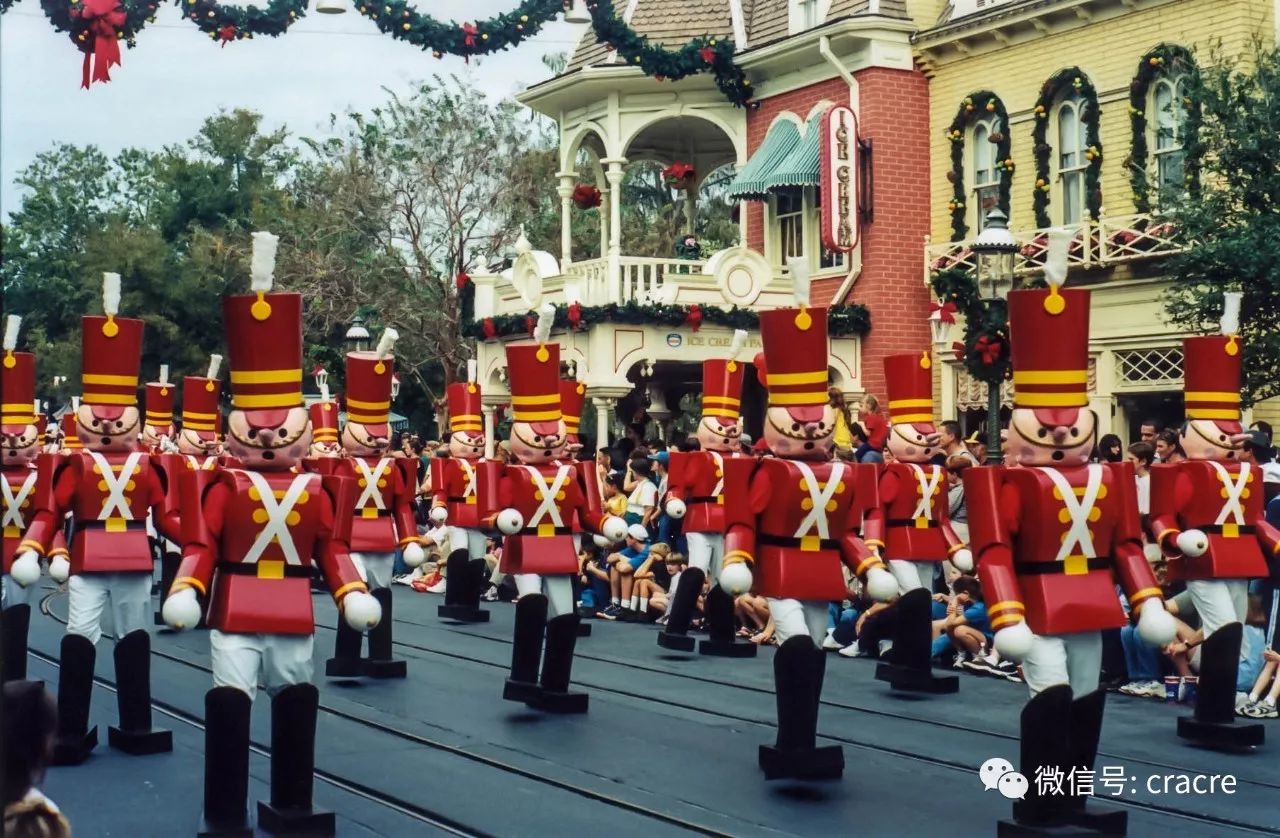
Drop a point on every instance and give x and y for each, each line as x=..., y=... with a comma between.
x=800, y=168
x=777, y=147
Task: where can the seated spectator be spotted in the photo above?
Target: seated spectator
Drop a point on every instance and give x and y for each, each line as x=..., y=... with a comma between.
x=645, y=577
x=622, y=567
x=593, y=583
x=965, y=629
x=1260, y=703
x=30, y=721
x=757, y=623
x=654, y=596
x=873, y=631
x=1141, y=660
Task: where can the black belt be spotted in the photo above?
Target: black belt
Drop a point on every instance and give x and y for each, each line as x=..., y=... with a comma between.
x=784, y=541
x=534, y=531
x=910, y=522
x=462, y=499
x=102, y=525
x=1216, y=529
x=251, y=569
x=382, y=513
x=708, y=499
x=1042, y=568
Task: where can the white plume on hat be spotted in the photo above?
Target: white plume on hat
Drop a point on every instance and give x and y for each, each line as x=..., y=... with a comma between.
x=387, y=342
x=75, y=403
x=546, y=318
x=738, y=343
x=164, y=374
x=11, y=325
x=262, y=264
x=111, y=293
x=1055, y=262
x=473, y=369
x=215, y=364
x=800, y=283
x=1230, y=324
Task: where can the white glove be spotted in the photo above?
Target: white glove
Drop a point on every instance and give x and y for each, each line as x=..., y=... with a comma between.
x=614, y=528
x=414, y=555
x=181, y=610
x=26, y=568
x=59, y=569
x=963, y=560
x=601, y=541
x=676, y=508
x=881, y=584
x=510, y=522
x=736, y=578
x=1014, y=642
x=1156, y=626
x=1151, y=552
x=1192, y=543
x=439, y=514
x=361, y=611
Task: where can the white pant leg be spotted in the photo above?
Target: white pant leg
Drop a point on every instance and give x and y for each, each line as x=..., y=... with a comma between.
x=86, y=601
x=286, y=660
x=1084, y=661
x=377, y=568
x=130, y=601
x=793, y=618
x=11, y=593
x=1073, y=659
x=1219, y=601
x=911, y=575
x=577, y=543
x=527, y=583
x=717, y=554
x=700, y=550
x=237, y=659
x=475, y=544
x=559, y=592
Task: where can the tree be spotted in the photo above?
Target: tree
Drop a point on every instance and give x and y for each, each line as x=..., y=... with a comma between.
x=1233, y=225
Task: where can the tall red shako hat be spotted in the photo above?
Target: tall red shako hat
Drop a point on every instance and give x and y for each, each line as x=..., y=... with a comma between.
x=202, y=402
x=909, y=383
x=160, y=397
x=18, y=382
x=533, y=374
x=324, y=413
x=110, y=355
x=793, y=365
x=573, y=395
x=264, y=342
x=1211, y=371
x=464, y=404
x=722, y=383
x=369, y=376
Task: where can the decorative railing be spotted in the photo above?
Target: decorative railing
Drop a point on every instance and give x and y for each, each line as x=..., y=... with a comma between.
x=1105, y=243
x=640, y=279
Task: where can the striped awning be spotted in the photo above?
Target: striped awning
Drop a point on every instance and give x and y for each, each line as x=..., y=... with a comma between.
x=800, y=167
x=750, y=184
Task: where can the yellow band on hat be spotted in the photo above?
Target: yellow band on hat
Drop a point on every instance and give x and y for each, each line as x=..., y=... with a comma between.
x=270, y=401
x=110, y=380
x=465, y=426
x=784, y=378
x=538, y=415
x=1050, y=377
x=463, y=417
x=1212, y=413
x=911, y=417
x=532, y=401
x=266, y=376
x=191, y=414
x=109, y=398
x=375, y=406
x=1211, y=396
x=721, y=401
x=368, y=418
x=188, y=425
x=895, y=404
x=1024, y=399
x=17, y=419
x=721, y=412
x=811, y=398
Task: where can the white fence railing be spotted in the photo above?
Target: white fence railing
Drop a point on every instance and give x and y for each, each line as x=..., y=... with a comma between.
x=639, y=279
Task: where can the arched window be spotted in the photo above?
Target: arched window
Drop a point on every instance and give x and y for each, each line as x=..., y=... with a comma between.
x=986, y=175
x=1168, y=105
x=1072, y=162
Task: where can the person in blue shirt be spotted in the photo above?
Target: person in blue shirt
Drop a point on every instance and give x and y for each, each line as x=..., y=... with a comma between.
x=622, y=567
x=965, y=627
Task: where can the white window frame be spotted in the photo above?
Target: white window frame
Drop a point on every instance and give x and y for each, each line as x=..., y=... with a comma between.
x=803, y=15
x=982, y=180
x=810, y=216
x=1070, y=161
x=1168, y=128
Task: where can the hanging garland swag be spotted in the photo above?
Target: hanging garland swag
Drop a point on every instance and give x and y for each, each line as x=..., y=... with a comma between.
x=1168, y=60
x=97, y=27
x=402, y=21
x=977, y=106
x=1074, y=82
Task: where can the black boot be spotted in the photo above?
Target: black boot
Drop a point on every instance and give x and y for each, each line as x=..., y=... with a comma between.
x=75, y=739
x=676, y=635
x=1086, y=727
x=16, y=621
x=798, y=671
x=346, y=662
x=381, y=662
x=526, y=648
x=912, y=666
x=293, y=765
x=226, y=764
x=1045, y=746
x=462, y=590
x=133, y=694
x=721, y=640
x=168, y=570
x=557, y=664
x=1213, y=724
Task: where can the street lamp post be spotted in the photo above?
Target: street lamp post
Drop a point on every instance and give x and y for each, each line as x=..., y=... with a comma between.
x=357, y=334
x=995, y=249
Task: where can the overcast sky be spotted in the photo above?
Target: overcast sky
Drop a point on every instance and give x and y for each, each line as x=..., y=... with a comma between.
x=177, y=76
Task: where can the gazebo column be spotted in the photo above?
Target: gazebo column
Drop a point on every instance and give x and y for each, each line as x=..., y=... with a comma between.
x=568, y=180
x=614, y=175
x=690, y=208
x=605, y=192
x=604, y=410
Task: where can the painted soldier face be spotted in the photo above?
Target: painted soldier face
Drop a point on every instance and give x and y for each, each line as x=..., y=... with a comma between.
x=361, y=440
x=539, y=442
x=154, y=435
x=1206, y=439
x=1066, y=440
x=269, y=440
x=913, y=442
x=19, y=445
x=466, y=445
x=808, y=436
x=718, y=433
x=191, y=442
x=108, y=429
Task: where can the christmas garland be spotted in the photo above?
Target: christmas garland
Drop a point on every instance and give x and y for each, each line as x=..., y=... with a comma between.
x=401, y=20
x=974, y=107
x=232, y=23
x=1073, y=79
x=985, y=350
x=80, y=20
x=1163, y=60
x=842, y=321
x=700, y=55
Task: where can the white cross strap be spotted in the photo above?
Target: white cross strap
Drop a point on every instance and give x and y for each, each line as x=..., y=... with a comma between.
x=1232, y=507
x=207, y=465
x=924, y=506
x=819, y=496
x=277, y=525
x=13, y=501
x=718, y=489
x=371, y=493
x=468, y=471
x=116, y=502
x=547, y=507
x=1078, y=534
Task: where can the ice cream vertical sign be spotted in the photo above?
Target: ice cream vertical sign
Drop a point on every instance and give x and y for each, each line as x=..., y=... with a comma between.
x=839, y=173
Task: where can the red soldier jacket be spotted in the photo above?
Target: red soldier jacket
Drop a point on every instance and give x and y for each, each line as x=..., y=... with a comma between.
x=109, y=497
x=453, y=486
x=910, y=522
x=1224, y=500
x=798, y=521
x=385, y=488
x=698, y=479
x=21, y=492
x=250, y=542
x=551, y=498
x=1050, y=544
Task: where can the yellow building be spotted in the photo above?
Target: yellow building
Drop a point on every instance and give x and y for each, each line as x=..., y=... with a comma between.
x=1043, y=108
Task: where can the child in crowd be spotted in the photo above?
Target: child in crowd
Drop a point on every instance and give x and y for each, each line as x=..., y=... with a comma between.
x=757, y=623
x=30, y=720
x=654, y=592
x=615, y=501
x=646, y=582
x=593, y=583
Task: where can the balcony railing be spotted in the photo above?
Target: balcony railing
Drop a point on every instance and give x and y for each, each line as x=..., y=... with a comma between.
x=1110, y=241
x=639, y=279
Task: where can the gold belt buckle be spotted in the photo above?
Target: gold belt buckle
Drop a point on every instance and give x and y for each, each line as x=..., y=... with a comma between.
x=270, y=569
x=1231, y=530
x=12, y=532
x=720, y=500
x=1076, y=565
x=922, y=523
x=369, y=512
x=470, y=500
x=546, y=530
x=116, y=525
x=810, y=544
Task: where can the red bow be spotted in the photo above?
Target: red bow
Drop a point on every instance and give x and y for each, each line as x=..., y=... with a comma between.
x=530, y=324
x=469, y=32
x=694, y=317
x=575, y=316
x=946, y=311
x=101, y=45
x=958, y=348
x=461, y=280
x=227, y=33
x=490, y=331
x=708, y=54
x=988, y=349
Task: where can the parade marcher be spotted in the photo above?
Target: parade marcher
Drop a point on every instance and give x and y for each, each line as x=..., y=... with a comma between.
x=157, y=422
x=1207, y=516
x=20, y=488
x=533, y=502
x=383, y=517
x=252, y=537
x=454, y=503
x=324, y=419
x=573, y=397
x=1052, y=538
x=70, y=430
x=793, y=521
x=696, y=494
x=110, y=487
x=157, y=440
x=909, y=524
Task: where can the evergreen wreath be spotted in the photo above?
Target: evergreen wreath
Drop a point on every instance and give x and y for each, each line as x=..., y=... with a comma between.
x=974, y=107
x=65, y=15
x=401, y=20
x=1162, y=60
x=985, y=351
x=225, y=23
x=1071, y=79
